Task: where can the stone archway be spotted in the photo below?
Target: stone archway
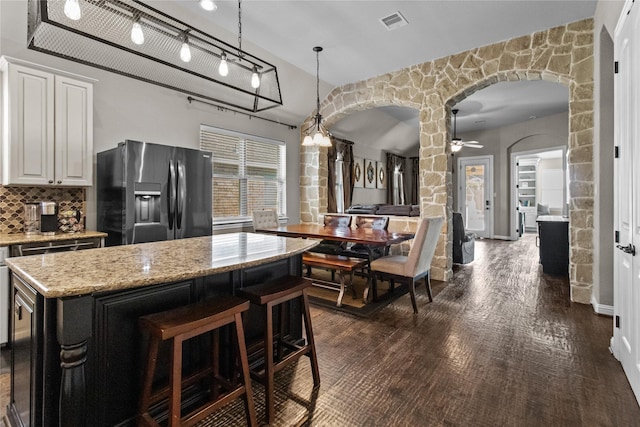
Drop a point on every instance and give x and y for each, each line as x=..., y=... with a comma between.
x=562, y=54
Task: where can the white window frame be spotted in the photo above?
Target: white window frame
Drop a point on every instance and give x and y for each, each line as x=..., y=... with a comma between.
x=245, y=216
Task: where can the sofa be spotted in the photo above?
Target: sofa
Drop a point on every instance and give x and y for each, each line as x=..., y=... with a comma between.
x=463, y=241
x=385, y=209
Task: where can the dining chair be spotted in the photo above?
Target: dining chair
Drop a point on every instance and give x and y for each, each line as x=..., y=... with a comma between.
x=332, y=246
x=264, y=218
x=371, y=221
x=367, y=251
x=417, y=264
x=331, y=220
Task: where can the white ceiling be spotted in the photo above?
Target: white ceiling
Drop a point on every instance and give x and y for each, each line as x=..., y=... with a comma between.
x=357, y=46
x=506, y=103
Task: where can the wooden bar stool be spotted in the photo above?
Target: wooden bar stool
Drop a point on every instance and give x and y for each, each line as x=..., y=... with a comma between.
x=274, y=294
x=179, y=325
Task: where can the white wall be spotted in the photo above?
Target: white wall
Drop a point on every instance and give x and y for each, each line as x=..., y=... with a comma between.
x=550, y=189
x=368, y=196
x=544, y=132
x=126, y=108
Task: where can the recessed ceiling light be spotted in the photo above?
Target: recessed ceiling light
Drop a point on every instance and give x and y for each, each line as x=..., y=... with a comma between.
x=479, y=122
x=208, y=5
x=532, y=117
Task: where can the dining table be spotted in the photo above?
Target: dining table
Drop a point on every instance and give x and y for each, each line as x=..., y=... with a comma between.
x=367, y=237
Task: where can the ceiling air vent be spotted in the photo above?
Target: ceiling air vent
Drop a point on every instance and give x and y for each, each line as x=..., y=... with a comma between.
x=393, y=21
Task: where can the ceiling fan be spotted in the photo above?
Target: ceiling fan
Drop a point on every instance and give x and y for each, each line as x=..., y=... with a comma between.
x=458, y=143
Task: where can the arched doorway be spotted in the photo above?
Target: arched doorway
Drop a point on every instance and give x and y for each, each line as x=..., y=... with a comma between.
x=562, y=54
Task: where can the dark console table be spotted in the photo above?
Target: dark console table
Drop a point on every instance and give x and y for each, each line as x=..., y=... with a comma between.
x=553, y=233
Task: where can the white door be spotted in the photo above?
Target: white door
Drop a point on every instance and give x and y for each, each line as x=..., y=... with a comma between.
x=626, y=331
x=475, y=194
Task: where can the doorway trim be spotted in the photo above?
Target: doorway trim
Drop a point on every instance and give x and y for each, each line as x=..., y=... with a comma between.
x=513, y=235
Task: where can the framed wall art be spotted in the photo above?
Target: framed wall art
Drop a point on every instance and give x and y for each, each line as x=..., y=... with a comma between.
x=381, y=175
x=369, y=174
x=358, y=172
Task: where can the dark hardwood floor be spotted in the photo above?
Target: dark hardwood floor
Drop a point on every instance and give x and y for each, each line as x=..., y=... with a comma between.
x=501, y=345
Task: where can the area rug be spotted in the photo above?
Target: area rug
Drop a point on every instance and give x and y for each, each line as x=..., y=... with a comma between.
x=326, y=298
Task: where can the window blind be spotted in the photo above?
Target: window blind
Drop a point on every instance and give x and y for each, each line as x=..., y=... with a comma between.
x=248, y=173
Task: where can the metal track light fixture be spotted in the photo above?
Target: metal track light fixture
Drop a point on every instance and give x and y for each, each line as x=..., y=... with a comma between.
x=223, y=68
x=133, y=39
x=321, y=137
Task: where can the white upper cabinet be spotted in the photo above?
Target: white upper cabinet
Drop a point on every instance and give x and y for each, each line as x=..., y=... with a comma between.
x=73, y=132
x=47, y=127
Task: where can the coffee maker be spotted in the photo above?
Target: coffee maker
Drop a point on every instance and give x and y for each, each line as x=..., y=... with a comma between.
x=48, y=218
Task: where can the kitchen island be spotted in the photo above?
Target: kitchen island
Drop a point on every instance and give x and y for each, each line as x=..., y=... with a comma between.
x=77, y=360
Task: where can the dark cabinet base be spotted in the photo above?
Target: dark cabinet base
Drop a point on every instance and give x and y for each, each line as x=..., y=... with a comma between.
x=85, y=354
x=553, y=232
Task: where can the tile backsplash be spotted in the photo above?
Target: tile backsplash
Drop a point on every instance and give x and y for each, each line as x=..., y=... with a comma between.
x=12, y=200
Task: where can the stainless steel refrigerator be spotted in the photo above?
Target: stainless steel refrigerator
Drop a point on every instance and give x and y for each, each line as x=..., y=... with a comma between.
x=149, y=192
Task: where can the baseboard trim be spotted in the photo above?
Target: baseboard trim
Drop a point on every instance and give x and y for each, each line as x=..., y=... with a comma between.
x=605, y=310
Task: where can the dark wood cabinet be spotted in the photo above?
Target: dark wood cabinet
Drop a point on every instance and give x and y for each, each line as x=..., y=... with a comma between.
x=553, y=235
x=115, y=355
x=100, y=377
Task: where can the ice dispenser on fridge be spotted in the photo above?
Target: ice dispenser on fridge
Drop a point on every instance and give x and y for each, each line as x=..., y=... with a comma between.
x=147, y=225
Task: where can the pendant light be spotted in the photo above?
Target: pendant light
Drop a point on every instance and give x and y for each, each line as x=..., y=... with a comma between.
x=137, y=35
x=185, y=50
x=321, y=136
x=255, y=78
x=133, y=39
x=72, y=10
x=223, y=68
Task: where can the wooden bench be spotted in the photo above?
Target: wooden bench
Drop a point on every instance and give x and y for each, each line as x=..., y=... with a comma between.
x=339, y=263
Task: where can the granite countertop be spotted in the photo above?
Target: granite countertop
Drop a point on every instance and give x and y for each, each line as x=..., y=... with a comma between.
x=21, y=238
x=552, y=218
x=65, y=274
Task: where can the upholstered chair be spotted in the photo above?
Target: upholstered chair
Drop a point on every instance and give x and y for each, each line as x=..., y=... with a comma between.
x=264, y=218
x=417, y=264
